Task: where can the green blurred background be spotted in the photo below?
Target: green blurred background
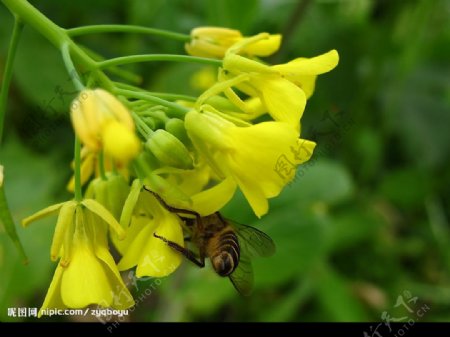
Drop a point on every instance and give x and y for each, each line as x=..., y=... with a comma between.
x=365, y=223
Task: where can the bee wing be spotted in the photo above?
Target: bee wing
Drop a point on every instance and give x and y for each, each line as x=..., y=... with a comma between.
x=242, y=277
x=254, y=242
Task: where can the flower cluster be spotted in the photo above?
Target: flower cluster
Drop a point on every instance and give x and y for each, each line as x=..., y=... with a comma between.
x=242, y=133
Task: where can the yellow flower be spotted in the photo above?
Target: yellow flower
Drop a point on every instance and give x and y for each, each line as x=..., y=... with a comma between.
x=102, y=121
x=207, y=192
x=282, y=89
x=86, y=273
x=261, y=158
x=303, y=71
x=151, y=255
x=215, y=41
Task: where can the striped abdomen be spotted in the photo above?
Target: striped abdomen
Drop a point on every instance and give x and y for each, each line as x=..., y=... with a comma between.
x=224, y=252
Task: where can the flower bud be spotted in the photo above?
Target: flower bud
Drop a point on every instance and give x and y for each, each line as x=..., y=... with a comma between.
x=211, y=41
x=120, y=142
x=169, y=150
x=101, y=121
x=215, y=41
x=176, y=127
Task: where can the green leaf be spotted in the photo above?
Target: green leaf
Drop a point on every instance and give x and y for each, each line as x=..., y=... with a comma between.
x=397, y=187
x=235, y=14
x=300, y=239
x=317, y=180
x=352, y=227
x=336, y=299
x=28, y=186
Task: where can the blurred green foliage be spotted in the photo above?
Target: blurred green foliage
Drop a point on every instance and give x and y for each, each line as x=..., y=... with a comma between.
x=364, y=222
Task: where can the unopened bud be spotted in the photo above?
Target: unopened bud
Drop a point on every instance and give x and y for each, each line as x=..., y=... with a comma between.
x=169, y=150
x=176, y=127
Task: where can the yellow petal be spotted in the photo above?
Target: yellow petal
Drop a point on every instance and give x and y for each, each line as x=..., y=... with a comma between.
x=111, y=105
x=119, y=142
x=53, y=298
x=87, y=119
x=215, y=198
x=283, y=99
x=304, y=151
x=253, y=164
x=136, y=225
x=122, y=299
x=158, y=259
x=142, y=229
x=310, y=66
x=84, y=281
x=264, y=47
x=236, y=64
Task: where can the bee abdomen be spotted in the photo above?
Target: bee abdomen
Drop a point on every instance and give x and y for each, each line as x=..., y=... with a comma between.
x=226, y=254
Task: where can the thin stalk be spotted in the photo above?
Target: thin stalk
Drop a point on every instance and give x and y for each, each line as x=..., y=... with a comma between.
x=163, y=95
x=77, y=169
x=178, y=110
x=94, y=29
x=157, y=57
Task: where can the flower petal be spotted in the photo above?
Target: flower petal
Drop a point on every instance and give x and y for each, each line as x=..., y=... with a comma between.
x=122, y=299
x=53, y=298
x=264, y=47
x=142, y=231
x=158, y=259
x=136, y=225
x=84, y=281
x=310, y=66
x=215, y=198
x=254, y=164
x=283, y=99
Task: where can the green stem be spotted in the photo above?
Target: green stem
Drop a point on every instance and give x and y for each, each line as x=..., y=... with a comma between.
x=144, y=128
x=163, y=95
x=8, y=71
x=124, y=74
x=157, y=57
x=127, y=29
x=74, y=76
x=56, y=35
x=178, y=110
x=77, y=169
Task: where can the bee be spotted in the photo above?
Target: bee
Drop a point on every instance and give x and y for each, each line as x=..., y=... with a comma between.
x=228, y=245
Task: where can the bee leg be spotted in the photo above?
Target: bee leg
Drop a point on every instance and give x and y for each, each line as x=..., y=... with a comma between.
x=189, y=254
x=170, y=208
